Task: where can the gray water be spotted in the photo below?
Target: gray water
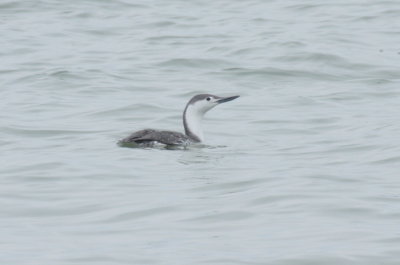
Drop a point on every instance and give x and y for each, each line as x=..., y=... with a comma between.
x=302, y=169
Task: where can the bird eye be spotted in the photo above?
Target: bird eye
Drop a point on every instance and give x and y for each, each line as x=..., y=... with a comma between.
x=208, y=99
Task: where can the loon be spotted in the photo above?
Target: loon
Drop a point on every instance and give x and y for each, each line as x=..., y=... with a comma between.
x=192, y=118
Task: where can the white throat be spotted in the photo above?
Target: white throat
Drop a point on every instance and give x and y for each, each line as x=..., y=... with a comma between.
x=192, y=119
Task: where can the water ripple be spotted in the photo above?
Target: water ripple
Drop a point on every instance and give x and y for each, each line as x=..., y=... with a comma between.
x=301, y=169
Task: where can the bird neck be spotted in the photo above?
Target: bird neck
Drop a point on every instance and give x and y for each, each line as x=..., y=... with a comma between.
x=192, y=122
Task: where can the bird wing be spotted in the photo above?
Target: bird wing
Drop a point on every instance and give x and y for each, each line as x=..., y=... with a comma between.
x=139, y=136
x=148, y=135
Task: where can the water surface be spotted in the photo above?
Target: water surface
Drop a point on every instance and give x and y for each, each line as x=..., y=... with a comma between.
x=301, y=169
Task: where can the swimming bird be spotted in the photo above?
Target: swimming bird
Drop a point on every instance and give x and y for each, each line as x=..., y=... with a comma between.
x=192, y=118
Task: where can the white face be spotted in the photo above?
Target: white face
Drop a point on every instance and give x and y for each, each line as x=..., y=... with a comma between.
x=204, y=105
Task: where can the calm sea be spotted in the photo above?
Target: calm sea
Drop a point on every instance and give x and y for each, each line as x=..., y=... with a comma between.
x=303, y=168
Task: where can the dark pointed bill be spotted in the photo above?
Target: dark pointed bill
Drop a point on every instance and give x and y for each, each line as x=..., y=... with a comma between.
x=226, y=99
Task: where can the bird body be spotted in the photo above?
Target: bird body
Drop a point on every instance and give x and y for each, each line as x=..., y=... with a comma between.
x=192, y=121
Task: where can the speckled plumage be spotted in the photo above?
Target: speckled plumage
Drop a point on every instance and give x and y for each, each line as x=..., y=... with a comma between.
x=147, y=136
